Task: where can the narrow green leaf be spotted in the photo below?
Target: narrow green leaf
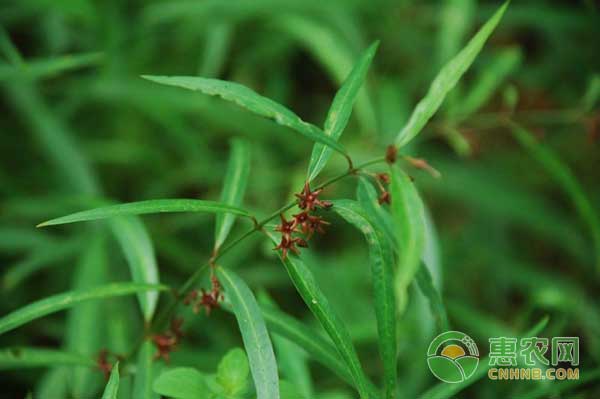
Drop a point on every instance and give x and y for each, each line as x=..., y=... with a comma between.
x=488, y=80
x=252, y=101
x=146, y=372
x=368, y=199
x=29, y=357
x=447, y=79
x=563, y=176
x=234, y=188
x=48, y=68
x=444, y=390
x=438, y=310
x=86, y=322
x=409, y=218
x=182, y=383
x=340, y=110
x=382, y=276
x=233, y=371
x=137, y=246
x=313, y=342
x=66, y=300
x=112, y=387
x=146, y=207
x=254, y=334
x=318, y=304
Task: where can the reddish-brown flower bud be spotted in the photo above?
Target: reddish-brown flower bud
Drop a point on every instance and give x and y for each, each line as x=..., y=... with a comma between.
x=286, y=228
x=391, y=154
x=309, y=200
x=385, y=198
x=383, y=178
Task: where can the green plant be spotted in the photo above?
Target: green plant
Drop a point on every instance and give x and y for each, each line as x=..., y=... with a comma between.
x=139, y=359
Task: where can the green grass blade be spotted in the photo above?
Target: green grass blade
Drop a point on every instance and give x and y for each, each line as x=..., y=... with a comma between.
x=252, y=101
x=48, y=68
x=382, y=276
x=85, y=327
x=254, y=334
x=446, y=79
x=487, y=82
x=318, y=304
x=30, y=357
x=340, y=110
x=335, y=52
x=319, y=348
x=436, y=304
x=409, y=218
x=563, y=176
x=234, y=187
x=112, y=387
x=66, y=300
x=444, y=390
x=147, y=207
x=146, y=372
x=137, y=246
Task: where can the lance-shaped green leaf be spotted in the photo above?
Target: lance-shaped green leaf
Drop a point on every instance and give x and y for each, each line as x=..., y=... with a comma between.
x=438, y=310
x=30, y=357
x=112, y=386
x=148, y=207
x=234, y=187
x=444, y=390
x=317, y=302
x=139, y=252
x=409, y=219
x=381, y=259
x=254, y=334
x=566, y=180
x=252, y=101
x=319, y=348
x=368, y=198
x=66, y=300
x=447, y=79
x=340, y=110
x=146, y=372
x=47, y=68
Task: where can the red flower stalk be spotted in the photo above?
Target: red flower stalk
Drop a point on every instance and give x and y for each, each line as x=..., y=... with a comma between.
x=103, y=363
x=309, y=200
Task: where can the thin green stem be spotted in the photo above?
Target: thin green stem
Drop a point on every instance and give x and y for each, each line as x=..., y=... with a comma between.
x=167, y=312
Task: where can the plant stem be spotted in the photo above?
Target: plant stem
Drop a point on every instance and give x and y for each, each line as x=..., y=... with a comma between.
x=166, y=314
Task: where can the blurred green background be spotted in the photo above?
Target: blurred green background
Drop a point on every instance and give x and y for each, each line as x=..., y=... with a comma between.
x=79, y=123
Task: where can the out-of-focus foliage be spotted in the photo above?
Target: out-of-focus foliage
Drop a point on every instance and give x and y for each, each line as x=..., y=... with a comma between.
x=508, y=234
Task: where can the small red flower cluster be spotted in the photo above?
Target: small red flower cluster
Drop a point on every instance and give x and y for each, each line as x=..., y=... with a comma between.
x=207, y=299
x=167, y=342
x=302, y=222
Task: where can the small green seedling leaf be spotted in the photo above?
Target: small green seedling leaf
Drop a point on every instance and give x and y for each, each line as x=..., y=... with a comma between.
x=148, y=207
x=183, y=383
x=66, y=300
x=382, y=276
x=234, y=188
x=340, y=110
x=254, y=334
x=409, y=218
x=112, y=387
x=233, y=371
x=447, y=79
x=252, y=101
